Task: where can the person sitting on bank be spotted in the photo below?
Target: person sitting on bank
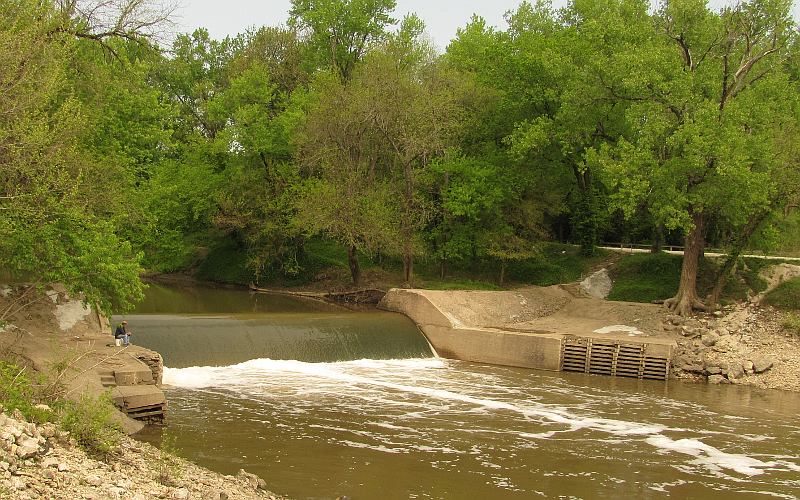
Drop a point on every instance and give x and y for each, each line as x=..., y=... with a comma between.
x=123, y=333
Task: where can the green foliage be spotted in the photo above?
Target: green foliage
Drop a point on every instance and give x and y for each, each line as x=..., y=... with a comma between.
x=89, y=421
x=55, y=222
x=341, y=31
x=19, y=392
x=791, y=323
x=226, y=262
x=459, y=284
x=785, y=296
x=646, y=277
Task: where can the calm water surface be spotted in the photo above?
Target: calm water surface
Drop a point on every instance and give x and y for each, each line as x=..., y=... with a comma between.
x=322, y=402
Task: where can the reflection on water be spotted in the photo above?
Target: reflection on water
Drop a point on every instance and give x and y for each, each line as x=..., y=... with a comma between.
x=433, y=428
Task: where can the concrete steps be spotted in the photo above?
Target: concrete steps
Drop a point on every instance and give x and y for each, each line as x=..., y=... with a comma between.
x=134, y=390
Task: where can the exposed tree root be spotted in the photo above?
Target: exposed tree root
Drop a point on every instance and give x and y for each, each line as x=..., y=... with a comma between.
x=685, y=306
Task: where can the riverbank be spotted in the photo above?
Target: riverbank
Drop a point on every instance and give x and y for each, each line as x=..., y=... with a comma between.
x=743, y=344
x=65, y=352
x=42, y=462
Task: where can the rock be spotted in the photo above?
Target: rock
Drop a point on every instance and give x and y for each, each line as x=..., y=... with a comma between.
x=49, y=462
x=252, y=480
x=717, y=379
x=63, y=468
x=713, y=370
x=598, y=285
x=18, y=483
x=693, y=368
x=139, y=496
x=735, y=371
x=748, y=366
x=116, y=491
x=676, y=320
x=710, y=339
x=215, y=495
x=93, y=480
x=48, y=474
x=4, y=465
x=48, y=430
x=27, y=447
x=179, y=494
x=761, y=364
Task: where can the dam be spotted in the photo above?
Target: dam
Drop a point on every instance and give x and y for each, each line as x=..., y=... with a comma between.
x=549, y=328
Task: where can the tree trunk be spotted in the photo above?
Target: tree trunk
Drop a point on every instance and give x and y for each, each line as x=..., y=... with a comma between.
x=747, y=232
x=502, y=272
x=658, y=239
x=408, y=264
x=442, y=269
x=686, y=300
x=352, y=260
x=408, y=231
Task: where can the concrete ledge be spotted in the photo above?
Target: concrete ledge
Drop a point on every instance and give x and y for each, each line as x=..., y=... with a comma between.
x=532, y=334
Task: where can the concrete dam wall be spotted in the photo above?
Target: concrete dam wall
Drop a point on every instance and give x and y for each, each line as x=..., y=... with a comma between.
x=543, y=328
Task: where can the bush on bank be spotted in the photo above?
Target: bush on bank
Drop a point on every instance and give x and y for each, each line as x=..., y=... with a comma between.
x=88, y=420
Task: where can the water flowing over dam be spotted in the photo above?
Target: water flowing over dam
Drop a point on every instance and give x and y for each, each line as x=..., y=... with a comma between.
x=322, y=402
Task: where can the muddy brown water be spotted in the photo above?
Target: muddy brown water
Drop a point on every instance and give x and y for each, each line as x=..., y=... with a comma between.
x=322, y=403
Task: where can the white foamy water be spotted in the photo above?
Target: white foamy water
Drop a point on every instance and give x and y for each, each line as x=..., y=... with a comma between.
x=431, y=389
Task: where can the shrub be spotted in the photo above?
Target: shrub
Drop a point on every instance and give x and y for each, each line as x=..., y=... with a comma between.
x=19, y=392
x=90, y=423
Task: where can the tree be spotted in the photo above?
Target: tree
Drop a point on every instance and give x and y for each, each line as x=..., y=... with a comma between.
x=348, y=197
x=52, y=190
x=710, y=100
x=340, y=32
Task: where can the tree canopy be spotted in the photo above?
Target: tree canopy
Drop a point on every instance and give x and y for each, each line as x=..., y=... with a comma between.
x=598, y=121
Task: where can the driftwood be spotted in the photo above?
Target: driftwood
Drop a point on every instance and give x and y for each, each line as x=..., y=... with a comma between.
x=363, y=296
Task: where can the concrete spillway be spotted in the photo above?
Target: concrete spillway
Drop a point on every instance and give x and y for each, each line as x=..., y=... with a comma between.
x=543, y=328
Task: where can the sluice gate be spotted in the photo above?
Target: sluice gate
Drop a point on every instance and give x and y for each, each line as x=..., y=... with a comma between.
x=621, y=359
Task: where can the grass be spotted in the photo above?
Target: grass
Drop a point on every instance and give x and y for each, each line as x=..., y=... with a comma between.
x=791, y=323
x=646, y=277
x=785, y=296
x=556, y=263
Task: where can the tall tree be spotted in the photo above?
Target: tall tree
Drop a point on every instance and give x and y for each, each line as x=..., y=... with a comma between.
x=340, y=32
x=708, y=97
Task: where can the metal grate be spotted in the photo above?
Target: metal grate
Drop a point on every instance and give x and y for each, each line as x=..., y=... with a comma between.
x=609, y=357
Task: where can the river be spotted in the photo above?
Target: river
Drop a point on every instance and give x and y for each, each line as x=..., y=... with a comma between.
x=323, y=402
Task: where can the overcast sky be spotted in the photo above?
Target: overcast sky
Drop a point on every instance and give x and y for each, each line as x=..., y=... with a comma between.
x=442, y=17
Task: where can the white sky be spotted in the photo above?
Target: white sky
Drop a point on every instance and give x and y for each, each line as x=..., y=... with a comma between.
x=442, y=17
